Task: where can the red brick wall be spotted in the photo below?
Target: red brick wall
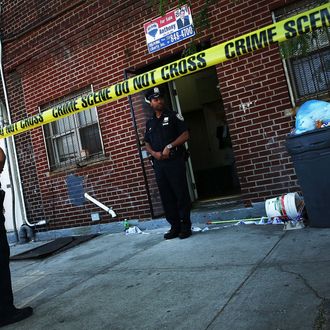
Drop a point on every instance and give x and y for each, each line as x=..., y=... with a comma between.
x=56, y=48
x=256, y=99
x=26, y=156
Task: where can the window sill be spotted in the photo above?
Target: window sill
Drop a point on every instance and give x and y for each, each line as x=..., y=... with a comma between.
x=79, y=164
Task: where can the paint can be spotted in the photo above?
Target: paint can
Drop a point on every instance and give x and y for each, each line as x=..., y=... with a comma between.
x=287, y=206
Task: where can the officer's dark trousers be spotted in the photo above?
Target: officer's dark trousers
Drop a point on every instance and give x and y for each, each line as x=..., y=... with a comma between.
x=6, y=293
x=174, y=193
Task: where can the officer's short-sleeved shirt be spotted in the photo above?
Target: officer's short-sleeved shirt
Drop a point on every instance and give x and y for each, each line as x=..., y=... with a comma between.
x=164, y=130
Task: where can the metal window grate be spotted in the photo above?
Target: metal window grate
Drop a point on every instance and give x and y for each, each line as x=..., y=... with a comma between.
x=73, y=139
x=297, y=7
x=308, y=56
x=312, y=76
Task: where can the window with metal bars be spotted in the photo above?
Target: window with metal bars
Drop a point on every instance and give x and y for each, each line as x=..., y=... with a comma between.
x=73, y=139
x=307, y=57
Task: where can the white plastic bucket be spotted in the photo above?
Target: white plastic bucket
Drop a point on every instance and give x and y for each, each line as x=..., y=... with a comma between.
x=288, y=206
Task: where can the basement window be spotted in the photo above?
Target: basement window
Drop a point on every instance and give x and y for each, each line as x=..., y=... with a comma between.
x=307, y=57
x=73, y=140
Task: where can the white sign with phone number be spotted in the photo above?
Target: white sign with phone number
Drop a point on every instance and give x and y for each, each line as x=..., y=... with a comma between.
x=171, y=28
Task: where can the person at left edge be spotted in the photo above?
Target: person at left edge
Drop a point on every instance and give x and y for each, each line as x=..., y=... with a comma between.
x=166, y=133
x=8, y=312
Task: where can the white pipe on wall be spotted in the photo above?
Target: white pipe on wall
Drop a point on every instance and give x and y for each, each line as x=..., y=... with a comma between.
x=102, y=206
x=12, y=155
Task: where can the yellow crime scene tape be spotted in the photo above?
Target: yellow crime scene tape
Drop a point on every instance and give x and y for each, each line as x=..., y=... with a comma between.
x=261, y=38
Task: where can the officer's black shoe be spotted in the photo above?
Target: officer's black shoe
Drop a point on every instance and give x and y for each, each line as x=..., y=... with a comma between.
x=171, y=234
x=185, y=234
x=16, y=315
x=185, y=229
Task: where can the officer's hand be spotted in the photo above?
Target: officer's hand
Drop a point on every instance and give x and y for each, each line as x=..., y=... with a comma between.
x=158, y=155
x=166, y=153
x=2, y=160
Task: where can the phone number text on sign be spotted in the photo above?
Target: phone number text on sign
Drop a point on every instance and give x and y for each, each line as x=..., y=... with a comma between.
x=170, y=39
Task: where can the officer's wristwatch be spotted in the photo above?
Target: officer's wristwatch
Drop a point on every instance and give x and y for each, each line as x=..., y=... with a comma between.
x=169, y=146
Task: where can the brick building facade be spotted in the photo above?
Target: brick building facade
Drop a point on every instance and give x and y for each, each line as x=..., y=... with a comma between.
x=55, y=49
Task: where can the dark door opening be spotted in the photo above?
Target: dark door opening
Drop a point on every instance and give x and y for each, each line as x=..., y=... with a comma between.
x=212, y=157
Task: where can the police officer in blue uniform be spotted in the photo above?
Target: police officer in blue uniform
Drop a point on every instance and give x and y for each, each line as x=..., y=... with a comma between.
x=8, y=312
x=166, y=133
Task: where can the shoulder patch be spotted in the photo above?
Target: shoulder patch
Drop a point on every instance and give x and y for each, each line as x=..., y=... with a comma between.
x=179, y=116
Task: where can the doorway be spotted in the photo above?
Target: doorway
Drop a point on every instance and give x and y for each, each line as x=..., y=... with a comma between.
x=211, y=171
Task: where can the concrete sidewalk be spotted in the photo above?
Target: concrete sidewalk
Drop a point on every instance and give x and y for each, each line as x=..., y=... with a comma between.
x=235, y=277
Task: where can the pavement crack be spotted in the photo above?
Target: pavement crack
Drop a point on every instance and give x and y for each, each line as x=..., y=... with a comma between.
x=304, y=280
x=322, y=319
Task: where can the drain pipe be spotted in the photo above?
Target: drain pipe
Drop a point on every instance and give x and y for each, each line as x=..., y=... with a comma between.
x=102, y=206
x=14, y=175
x=2, y=123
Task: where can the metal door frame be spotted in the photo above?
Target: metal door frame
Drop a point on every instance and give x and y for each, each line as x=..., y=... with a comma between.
x=177, y=108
